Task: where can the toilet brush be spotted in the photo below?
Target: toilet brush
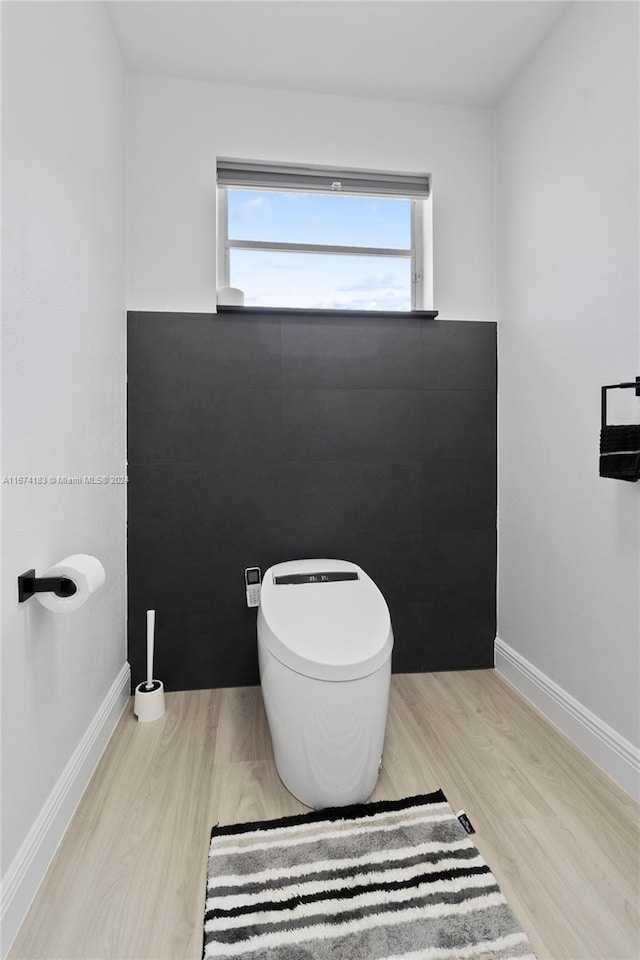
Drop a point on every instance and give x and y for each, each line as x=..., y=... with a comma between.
x=148, y=703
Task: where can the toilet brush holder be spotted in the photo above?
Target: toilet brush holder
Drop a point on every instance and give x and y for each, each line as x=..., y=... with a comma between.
x=148, y=702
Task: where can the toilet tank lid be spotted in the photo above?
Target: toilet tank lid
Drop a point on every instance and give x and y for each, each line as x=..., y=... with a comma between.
x=325, y=619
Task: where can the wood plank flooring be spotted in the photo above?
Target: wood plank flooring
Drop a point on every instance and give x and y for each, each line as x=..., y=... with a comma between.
x=128, y=880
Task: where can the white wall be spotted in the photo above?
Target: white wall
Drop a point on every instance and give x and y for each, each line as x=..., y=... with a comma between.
x=568, y=266
x=178, y=128
x=63, y=189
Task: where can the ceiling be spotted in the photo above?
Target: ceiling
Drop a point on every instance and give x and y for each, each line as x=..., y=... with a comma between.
x=464, y=52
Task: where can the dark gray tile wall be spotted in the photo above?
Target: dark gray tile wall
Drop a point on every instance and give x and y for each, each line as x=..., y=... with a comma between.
x=256, y=438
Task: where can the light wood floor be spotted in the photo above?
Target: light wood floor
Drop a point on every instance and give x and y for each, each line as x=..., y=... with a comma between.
x=128, y=880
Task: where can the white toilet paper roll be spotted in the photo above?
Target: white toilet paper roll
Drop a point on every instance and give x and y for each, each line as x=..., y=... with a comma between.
x=231, y=296
x=86, y=572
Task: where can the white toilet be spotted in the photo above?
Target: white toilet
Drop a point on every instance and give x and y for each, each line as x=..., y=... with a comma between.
x=324, y=648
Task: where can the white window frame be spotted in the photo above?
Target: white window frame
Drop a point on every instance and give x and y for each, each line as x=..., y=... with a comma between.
x=421, y=246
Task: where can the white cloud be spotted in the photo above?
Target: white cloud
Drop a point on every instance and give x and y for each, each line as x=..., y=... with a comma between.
x=379, y=300
x=386, y=281
x=255, y=203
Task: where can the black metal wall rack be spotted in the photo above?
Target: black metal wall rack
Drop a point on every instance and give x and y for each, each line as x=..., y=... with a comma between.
x=616, y=386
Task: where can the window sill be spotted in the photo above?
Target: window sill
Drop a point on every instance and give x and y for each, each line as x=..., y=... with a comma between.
x=312, y=312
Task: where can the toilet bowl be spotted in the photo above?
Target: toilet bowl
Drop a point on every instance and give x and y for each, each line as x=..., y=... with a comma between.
x=324, y=649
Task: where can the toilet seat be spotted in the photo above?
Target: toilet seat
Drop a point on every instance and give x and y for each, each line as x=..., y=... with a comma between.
x=329, y=630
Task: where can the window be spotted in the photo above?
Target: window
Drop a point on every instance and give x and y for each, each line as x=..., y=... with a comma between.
x=293, y=236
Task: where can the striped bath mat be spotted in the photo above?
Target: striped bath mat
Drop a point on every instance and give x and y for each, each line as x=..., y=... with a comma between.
x=378, y=881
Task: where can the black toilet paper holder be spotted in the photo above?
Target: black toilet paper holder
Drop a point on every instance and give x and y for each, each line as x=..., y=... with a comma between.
x=28, y=584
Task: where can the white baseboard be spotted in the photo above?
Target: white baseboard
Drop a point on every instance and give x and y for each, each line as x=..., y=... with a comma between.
x=614, y=754
x=24, y=876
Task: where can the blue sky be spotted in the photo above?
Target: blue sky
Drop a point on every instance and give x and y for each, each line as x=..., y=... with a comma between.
x=323, y=281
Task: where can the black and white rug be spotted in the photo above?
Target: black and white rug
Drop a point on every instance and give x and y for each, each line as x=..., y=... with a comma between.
x=378, y=881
